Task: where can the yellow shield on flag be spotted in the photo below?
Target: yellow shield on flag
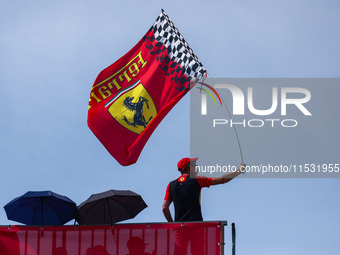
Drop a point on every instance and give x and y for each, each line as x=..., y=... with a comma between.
x=133, y=108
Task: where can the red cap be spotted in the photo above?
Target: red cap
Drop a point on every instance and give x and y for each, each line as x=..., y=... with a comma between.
x=184, y=162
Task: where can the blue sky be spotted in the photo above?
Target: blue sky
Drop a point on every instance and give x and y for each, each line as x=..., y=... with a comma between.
x=51, y=53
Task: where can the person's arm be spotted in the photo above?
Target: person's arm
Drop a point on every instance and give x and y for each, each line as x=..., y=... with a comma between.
x=229, y=176
x=166, y=210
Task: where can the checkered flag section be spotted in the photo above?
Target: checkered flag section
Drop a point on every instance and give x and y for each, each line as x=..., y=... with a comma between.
x=180, y=62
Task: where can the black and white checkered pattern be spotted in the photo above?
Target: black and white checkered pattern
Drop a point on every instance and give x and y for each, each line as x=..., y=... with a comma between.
x=165, y=33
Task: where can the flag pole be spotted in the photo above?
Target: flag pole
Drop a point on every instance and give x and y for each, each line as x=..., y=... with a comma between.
x=235, y=132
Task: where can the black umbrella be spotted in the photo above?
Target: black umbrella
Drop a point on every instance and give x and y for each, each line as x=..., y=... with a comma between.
x=109, y=207
x=41, y=208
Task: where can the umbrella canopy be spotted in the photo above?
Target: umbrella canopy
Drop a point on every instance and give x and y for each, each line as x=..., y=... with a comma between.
x=41, y=208
x=109, y=207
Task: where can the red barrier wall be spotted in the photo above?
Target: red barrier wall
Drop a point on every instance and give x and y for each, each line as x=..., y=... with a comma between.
x=202, y=238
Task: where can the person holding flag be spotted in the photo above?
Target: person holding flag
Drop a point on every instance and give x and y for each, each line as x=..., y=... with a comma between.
x=185, y=192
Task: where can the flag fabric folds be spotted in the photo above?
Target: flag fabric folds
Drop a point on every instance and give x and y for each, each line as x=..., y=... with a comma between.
x=131, y=97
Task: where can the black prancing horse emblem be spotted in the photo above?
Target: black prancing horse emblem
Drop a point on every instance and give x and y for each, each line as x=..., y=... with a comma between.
x=138, y=118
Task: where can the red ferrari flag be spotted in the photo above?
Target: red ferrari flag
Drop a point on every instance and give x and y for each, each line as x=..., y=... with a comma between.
x=131, y=97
